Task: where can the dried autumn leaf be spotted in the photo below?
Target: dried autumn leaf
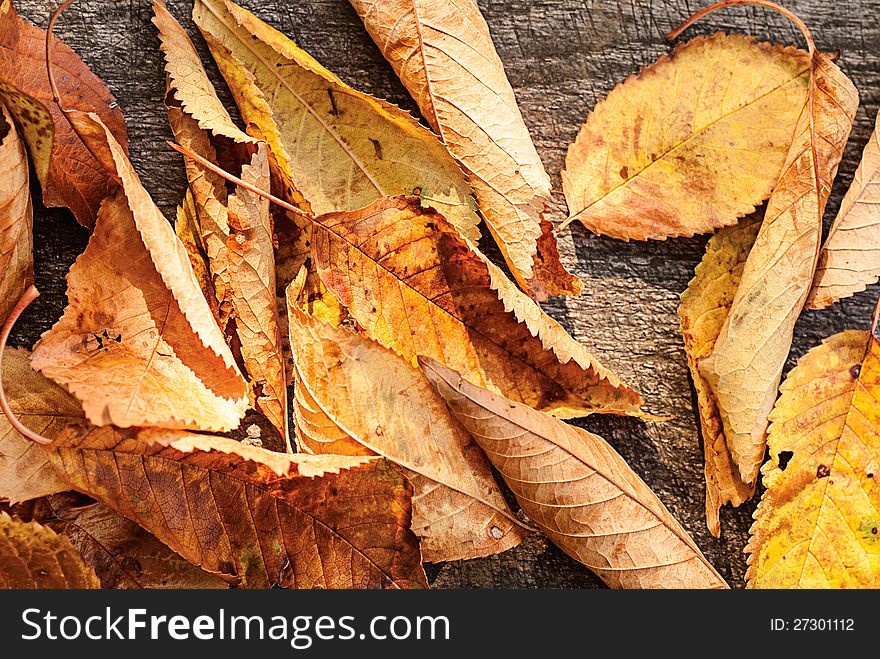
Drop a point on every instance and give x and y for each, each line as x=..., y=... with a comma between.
x=334, y=148
x=690, y=144
x=350, y=390
x=16, y=216
x=444, y=55
x=122, y=554
x=33, y=556
x=255, y=517
x=44, y=407
x=235, y=229
x=745, y=366
x=704, y=306
x=817, y=523
x=69, y=174
x=138, y=344
x=578, y=490
x=850, y=258
x=415, y=286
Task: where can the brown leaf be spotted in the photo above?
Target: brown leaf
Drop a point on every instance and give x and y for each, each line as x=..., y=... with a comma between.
x=33, y=556
x=704, y=306
x=122, y=554
x=444, y=55
x=357, y=398
x=415, y=286
x=255, y=517
x=850, y=258
x=578, y=490
x=235, y=229
x=693, y=142
x=45, y=408
x=138, y=344
x=16, y=216
x=69, y=174
x=745, y=365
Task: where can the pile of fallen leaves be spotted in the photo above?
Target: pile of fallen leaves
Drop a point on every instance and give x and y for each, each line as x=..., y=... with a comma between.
x=323, y=275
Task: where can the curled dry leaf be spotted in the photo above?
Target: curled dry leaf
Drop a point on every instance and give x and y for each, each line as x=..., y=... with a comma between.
x=850, y=258
x=578, y=490
x=333, y=147
x=355, y=397
x=138, y=344
x=33, y=556
x=415, y=286
x=745, y=365
x=122, y=554
x=690, y=144
x=235, y=229
x=45, y=408
x=255, y=517
x=444, y=55
x=817, y=523
x=704, y=306
x=69, y=174
x=16, y=216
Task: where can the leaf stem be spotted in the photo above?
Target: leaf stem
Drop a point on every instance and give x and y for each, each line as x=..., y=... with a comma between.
x=794, y=18
x=204, y=162
x=27, y=297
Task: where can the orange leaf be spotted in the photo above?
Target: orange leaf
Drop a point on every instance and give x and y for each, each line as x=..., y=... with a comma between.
x=69, y=174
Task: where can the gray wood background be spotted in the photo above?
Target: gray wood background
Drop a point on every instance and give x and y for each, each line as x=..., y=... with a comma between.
x=561, y=57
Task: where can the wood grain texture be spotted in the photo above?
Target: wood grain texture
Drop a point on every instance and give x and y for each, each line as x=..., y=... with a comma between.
x=561, y=56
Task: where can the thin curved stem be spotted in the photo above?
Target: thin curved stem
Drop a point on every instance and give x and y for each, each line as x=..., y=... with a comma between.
x=29, y=296
x=207, y=164
x=56, y=95
x=767, y=4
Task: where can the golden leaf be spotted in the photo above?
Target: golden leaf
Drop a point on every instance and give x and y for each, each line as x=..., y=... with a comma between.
x=693, y=142
x=45, y=408
x=578, y=490
x=138, y=344
x=16, y=217
x=332, y=145
x=415, y=286
x=255, y=517
x=817, y=523
x=444, y=55
x=850, y=258
x=745, y=365
x=33, y=556
x=235, y=229
x=704, y=306
x=357, y=398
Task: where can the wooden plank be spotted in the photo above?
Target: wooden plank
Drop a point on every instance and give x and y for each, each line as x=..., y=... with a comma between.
x=561, y=56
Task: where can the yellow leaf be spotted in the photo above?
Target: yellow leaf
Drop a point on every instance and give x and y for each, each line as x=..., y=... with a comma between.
x=817, y=523
x=16, y=216
x=850, y=258
x=33, y=556
x=690, y=144
x=45, y=408
x=415, y=286
x=578, y=490
x=745, y=365
x=704, y=306
x=357, y=398
x=444, y=55
x=138, y=344
x=339, y=148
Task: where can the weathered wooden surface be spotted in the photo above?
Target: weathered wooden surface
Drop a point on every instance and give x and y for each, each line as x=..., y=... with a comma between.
x=561, y=57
